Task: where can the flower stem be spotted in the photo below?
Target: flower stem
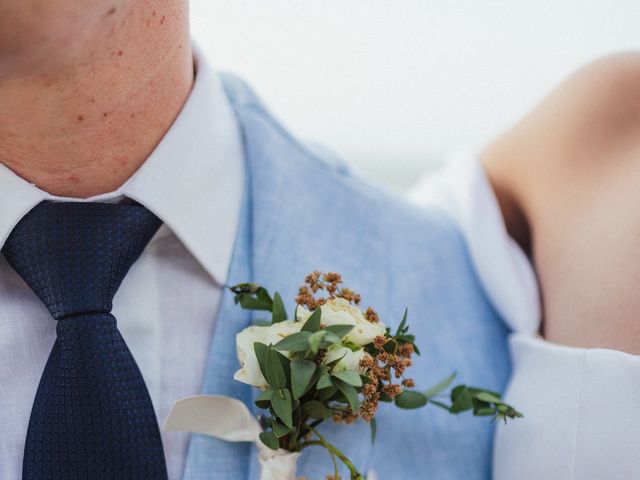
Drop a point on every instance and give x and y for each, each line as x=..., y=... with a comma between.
x=335, y=452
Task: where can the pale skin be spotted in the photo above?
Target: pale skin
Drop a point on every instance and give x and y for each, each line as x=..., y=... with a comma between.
x=89, y=87
x=567, y=178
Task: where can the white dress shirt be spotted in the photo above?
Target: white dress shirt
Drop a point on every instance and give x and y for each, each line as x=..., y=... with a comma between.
x=167, y=304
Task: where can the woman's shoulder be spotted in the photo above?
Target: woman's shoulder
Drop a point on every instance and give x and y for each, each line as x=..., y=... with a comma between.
x=556, y=152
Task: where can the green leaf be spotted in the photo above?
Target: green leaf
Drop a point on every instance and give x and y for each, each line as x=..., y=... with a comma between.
x=324, y=381
x=301, y=374
x=313, y=322
x=461, y=399
x=245, y=288
x=296, y=342
x=335, y=362
x=410, y=399
x=315, y=339
x=400, y=330
x=279, y=313
x=264, y=399
x=279, y=429
x=285, y=362
x=350, y=345
x=488, y=398
x=385, y=398
x=440, y=386
x=352, y=378
x=260, y=350
x=261, y=323
x=282, y=406
x=330, y=338
x=326, y=393
x=274, y=372
x=484, y=411
x=316, y=409
x=270, y=440
x=252, y=296
x=374, y=430
x=349, y=392
x=339, y=330
x=444, y=406
x=263, y=295
x=251, y=303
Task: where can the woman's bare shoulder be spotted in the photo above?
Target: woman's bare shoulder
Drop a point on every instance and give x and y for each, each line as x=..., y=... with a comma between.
x=587, y=113
x=579, y=128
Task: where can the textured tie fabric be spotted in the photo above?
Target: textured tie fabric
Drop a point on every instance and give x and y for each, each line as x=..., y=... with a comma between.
x=92, y=416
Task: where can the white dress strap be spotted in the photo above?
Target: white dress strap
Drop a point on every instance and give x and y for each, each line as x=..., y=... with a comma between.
x=462, y=189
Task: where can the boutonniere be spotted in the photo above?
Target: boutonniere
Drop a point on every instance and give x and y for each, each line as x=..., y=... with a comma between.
x=332, y=362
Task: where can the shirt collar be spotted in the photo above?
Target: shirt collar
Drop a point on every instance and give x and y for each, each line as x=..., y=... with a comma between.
x=192, y=181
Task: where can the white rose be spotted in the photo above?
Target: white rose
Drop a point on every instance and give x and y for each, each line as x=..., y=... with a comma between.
x=250, y=372
x=350, y=359
x=339, y=311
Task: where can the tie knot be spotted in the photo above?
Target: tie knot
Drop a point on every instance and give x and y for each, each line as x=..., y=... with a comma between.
x=74, y=255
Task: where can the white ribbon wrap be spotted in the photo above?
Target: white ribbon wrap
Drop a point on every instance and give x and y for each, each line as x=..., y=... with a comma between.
x=229, y=419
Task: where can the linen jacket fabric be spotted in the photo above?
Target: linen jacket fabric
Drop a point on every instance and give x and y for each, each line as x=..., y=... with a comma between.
x=304, y=211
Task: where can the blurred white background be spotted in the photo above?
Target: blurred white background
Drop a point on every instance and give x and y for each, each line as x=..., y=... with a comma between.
x=392, y=86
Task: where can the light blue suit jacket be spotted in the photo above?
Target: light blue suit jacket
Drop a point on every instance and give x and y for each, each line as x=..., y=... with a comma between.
x=303, y=211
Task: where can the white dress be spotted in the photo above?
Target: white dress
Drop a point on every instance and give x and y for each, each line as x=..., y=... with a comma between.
x=581, y=406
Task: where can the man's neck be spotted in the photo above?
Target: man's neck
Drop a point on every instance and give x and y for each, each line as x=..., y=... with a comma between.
x=85, y=129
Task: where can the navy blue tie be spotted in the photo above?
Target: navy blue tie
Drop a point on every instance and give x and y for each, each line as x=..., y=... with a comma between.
x=92, y=416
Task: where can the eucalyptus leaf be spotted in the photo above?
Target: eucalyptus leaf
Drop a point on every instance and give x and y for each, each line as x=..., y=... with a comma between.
x=401, y=327
x=461, y=399
x=440, y=386
x=270, y=440
x=313, y=322
x=327, y=393
x=263, y=295
x=285, y=362
x=335, y=362
x=315, y=339
x=260, y=350
x=316, y=409
x=385, y=398
x=279, y=429
x=347, y=376
x=264, y=399
x=339, y=330
x=301, y=374
x=274, y=371
x=282, y=406
x=251, y=303
x=331, y=338
x=354, y=347
x=349, y=392
x=442, y=405
x=296, y=342
x=410, y=399
x=262, y=323
x=324, y=381
x=279, y=313
x=374, y=430
x=488, y=397
x=484, y=411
